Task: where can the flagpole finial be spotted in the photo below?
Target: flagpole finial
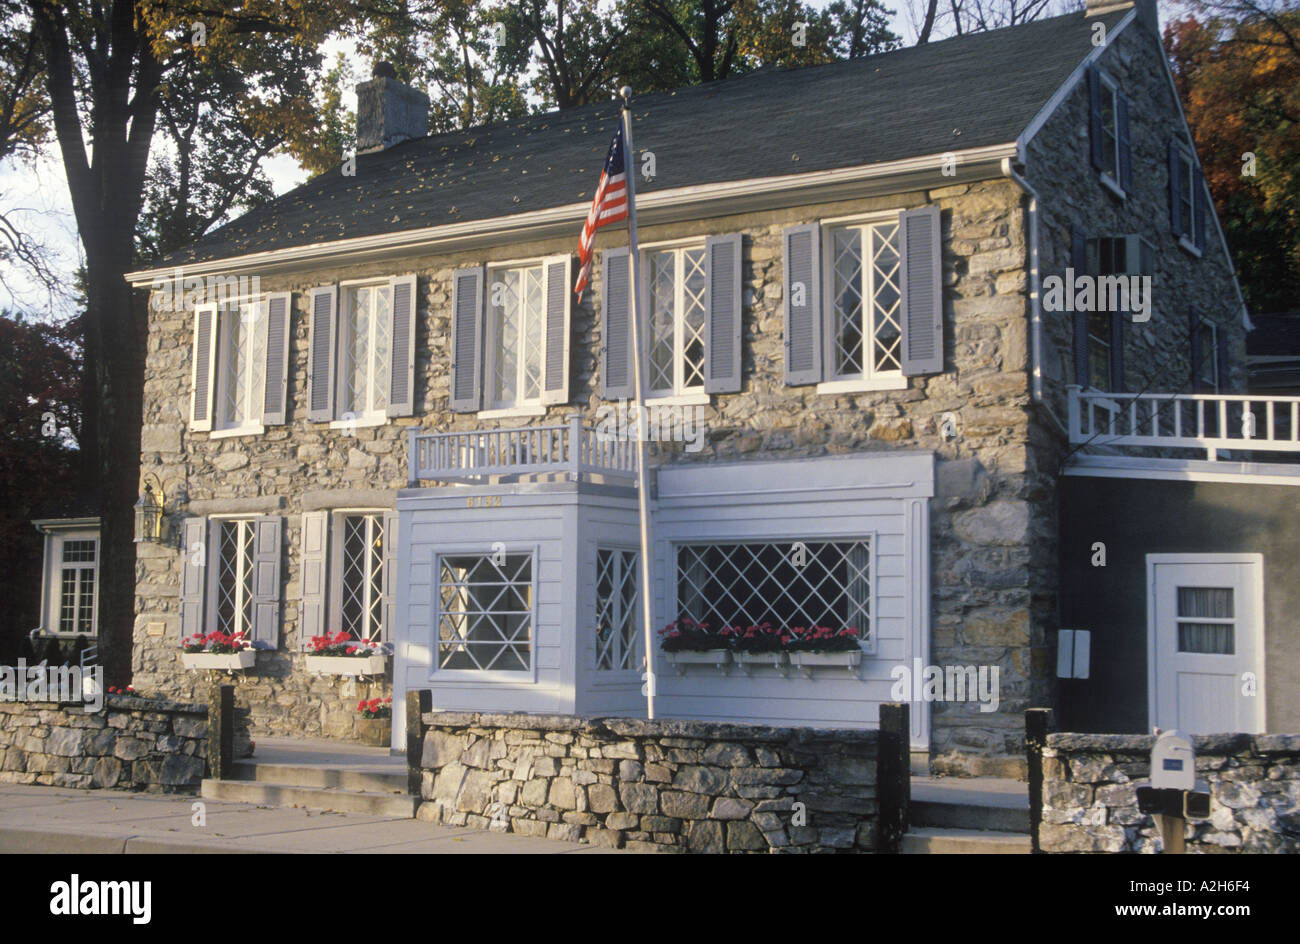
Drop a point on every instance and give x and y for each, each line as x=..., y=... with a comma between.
x=626, y=93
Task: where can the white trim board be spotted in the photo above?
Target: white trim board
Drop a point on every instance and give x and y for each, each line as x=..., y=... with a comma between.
x=1184, y=470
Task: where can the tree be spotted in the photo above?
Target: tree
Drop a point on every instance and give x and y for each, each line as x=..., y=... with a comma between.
x=574, y=43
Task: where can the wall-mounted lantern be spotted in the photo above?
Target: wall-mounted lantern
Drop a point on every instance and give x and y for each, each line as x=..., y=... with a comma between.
x=151, y=524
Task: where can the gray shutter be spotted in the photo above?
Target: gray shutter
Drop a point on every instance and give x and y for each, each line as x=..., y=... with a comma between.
x=558, y=279
x=1079, y=263
x=401, y=376
x=1194, y=329
x=616, y=349
x=1117, y=319
x=388, y=631
x=1200, y=209
x=205, y=349
x=722, y=265
x=1125, y=148
x=315, y=562
x=1175, y=190
x=320, y=366
x=266, y=581
x=921, y=277
x=802, y=251
x=278, y=325
x=1222, y=362
x=466, y=339
x=193, y=545
x=1094, y=117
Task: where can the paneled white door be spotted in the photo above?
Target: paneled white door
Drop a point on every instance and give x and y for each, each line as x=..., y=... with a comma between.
x=1206, y=642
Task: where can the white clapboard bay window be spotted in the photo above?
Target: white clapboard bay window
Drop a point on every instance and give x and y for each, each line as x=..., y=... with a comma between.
x=863, y=301
x=1111, y=152
x=230, y=577
x=361, y=353
x=239, y=378
x=348, y=572
x=485, y=612
x=69, y=595
x=510, y=337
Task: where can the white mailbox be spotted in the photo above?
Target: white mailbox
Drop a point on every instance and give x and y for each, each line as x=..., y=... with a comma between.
x=1173, y=762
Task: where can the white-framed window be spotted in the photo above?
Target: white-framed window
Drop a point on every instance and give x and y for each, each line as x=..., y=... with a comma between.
x=617, y=613
x=233, y=560
x=1207, y=367
x=364, y=350
x=789, y=584
x=1186, y=200
x=486, y=612
x=73, y=583
x=1110, y=139
x=677, y=315
x=241, y=365
x=516, y=336
x=863, y=283
x=357, y=584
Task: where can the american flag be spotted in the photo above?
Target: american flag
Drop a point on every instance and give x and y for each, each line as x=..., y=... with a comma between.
x=609, y=206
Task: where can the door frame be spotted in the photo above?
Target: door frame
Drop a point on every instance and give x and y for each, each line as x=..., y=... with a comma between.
x=1256, y=591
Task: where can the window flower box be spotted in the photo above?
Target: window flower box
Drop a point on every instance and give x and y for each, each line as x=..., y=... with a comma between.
x=221, y=661
x=347, y=665
x=774, y=659
x=807, y=661
x=719, y=658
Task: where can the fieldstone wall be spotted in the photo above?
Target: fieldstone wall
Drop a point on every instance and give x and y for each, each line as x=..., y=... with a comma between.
x=129, y=744
x=1090, y=799
x=658, y=786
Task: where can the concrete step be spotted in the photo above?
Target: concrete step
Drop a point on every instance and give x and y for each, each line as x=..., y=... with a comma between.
x=932, y=813
x=930, y=841
x=971, y=803
x=263, y=793
x=377, y=780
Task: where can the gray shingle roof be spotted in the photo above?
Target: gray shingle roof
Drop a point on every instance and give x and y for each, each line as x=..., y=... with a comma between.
x=971, y=91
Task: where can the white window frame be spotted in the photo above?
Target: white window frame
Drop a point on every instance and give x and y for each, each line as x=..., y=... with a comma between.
x=222, y=427
x=1110, y=87
x=603, y=673
x=868, y=380
x=334, y=610
x=521, y=405
x=1187, y=199
x=212, y=604
x=55, y=541
x=681, y=394
x=1210, y=354
x=370, y=416
x=479, y=676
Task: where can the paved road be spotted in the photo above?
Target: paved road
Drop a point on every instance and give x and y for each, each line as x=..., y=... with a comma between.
x=56, y=820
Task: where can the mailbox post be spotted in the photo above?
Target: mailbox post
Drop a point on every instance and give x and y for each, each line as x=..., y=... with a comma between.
x=1172, y=795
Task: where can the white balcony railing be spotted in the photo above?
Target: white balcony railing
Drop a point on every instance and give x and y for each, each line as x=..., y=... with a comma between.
x=571, y=449
x=1212, y=422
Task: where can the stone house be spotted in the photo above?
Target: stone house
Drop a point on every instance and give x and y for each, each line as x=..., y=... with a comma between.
x=405, y=425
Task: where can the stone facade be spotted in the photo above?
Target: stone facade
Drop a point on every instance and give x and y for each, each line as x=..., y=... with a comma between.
x=1090, y=799
x=653, y=786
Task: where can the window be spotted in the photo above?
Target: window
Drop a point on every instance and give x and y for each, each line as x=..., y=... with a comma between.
x=241, y=359
x=1188, y=208
x=617, y=621
x=235, y=577
x=1109, y=132
x=1207, y=367
x=676, y=318
x=516, y=335
x=365, y=349
x=1186, y=174
x=1205, y=620
x=788, y=584
x=866, y=337
x=230, y=577
x=1109, y=129
x=359, y=588
x=486, y=615
x=240, y=365
x=73, y=569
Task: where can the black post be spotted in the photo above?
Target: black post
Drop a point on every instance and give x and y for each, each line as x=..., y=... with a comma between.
x=893, y=776
x=418, y=701
x=1039, y=722
x=221, y=730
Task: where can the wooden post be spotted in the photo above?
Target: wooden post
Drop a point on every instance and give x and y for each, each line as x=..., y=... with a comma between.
x=893, y=777
x=418, y=701
x=221, y=730
x=1039, y=722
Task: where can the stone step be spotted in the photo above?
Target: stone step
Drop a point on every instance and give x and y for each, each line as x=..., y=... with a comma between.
x=334, y=800
x=934, y=813
x=979, y=803
x=377, y=780
x=930, y=841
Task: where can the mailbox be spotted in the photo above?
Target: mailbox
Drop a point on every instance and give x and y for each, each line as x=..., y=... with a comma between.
x=1173, y=763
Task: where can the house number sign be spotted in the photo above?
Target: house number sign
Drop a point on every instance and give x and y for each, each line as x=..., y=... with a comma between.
x=483, y=501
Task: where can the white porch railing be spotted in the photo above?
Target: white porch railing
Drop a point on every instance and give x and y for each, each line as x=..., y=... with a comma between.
x=572, y=449
x=1212, y=422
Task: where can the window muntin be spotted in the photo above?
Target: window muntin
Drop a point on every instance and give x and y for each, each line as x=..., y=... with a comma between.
x=617, y=621
x=235, y=576
x=1205, y=620
x=1109, y=123
x=516, y=320
x=361, y=576
x=789, y=584
x=365, y=350
x=865, y=333
x=242, y=364
x=678, y=312
x=77, y=569
x=485, y=621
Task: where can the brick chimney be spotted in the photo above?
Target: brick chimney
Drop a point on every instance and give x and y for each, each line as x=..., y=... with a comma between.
x=389, y=112
x=1146, y=10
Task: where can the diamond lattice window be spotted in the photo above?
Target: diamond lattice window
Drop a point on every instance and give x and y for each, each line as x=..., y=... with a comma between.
x=243, y=364
x=365, y=347
x=362, y=585
x=486, y=618
x=866, y=334
x=235, y=576
x=518, y=310
x=617, y=625
x=677, y=320
x=787, y=583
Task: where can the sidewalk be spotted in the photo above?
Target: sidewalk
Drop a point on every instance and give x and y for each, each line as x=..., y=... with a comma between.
x=55, y=820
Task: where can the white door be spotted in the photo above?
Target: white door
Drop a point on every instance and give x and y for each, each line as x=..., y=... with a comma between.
x=1206, y=642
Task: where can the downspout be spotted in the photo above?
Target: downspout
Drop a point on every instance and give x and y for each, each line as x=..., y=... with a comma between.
x=1035, y=296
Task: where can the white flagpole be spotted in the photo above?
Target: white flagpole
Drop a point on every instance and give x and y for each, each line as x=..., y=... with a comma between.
x=642, y=474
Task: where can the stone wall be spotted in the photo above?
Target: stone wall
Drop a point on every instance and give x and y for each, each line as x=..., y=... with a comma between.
x=659, y=786
x=1090, y=799
x=130, y=744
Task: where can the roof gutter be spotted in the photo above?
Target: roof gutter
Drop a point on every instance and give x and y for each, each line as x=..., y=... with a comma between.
x=683, y=203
